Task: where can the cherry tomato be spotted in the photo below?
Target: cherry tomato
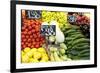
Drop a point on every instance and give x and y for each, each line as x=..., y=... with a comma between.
x=34, y=36
x=27, y=36
x=26, y=43
x=29, y=32
x=23, y=28
x=32, y=46
x=37, y=40
x=29, y=40
x=24, y=46
x=31, y=37
x=33, y=31
x=29, y=44
x=22, y=36
x=22, y=43
x=24, y=40
x=36, y=46
x=30, y=27
x=33, y=40
x=33, y=43
x=25, y=32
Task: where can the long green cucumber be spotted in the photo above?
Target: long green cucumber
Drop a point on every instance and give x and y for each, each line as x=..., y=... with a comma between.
x=82, y=47
x=70, y=31
x=81, y=40
x=81, y=44
x=84, y=55
x=84, y=51
x=71, y=34
x=69, y=39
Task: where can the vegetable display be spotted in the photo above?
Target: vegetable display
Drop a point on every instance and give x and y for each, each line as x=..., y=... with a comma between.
x=51, y=36
x=30, y=33
x=34, y=55
x=60, y=17
x=78, y=45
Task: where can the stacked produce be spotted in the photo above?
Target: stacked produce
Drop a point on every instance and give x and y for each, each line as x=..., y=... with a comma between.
x=58, y=54
x=30, y=33
x=34, y=55
x=50, y=36
x=84, y=23
x=82, y=20
x=60, y=17
x=78, y=45
x=85, y=30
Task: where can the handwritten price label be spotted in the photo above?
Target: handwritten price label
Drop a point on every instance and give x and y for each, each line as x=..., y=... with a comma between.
x=48, y=30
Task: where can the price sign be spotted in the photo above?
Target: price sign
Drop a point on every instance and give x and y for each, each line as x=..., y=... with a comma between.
x=48, y=30
x=33, y=14
x=71, y=18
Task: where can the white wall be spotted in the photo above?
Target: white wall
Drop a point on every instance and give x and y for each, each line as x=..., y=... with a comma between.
x=5, y=37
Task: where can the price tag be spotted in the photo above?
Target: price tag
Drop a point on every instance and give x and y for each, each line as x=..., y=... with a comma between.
x=48, y=30
x=31, y=14
x=71, y=18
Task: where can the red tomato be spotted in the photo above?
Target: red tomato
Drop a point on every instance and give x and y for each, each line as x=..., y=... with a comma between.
x=32, y=46
x=30, y=27
x=34, y=36
x=27, y=36
x=29, y=32
x=29, y=44
x=33, y=39
x=26, y=43
x=24, y=46
x=37, y=28
x=29, y=40
x=25, y=23
x=22, y=36
x=22, y=43
x=33, y=31
x=36, y=46
x=25, y=32
x=33, y=43
x=37, y=39
x=33, y=26
x=23, y=28
x=24, y=40
x=28, y=22
x=31, y=36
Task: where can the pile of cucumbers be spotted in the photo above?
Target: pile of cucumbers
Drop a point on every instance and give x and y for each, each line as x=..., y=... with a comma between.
x=78, y=45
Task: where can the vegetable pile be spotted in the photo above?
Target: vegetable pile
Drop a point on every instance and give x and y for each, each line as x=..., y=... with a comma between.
x=30, y=33
x=51, y=36
x=78, y=45
x=34, y=55
x=59, y=54
x=60, y=17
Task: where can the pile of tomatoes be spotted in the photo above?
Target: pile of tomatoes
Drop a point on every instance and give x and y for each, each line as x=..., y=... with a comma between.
x=30, y=33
